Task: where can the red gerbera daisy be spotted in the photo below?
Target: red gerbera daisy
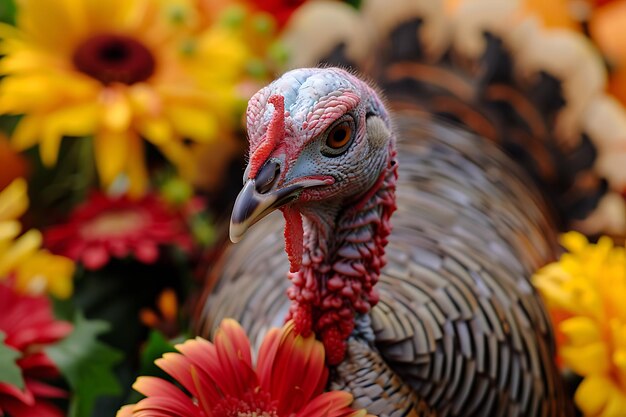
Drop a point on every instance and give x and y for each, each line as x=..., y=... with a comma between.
x=105, y=227
x=287, y=381
x=29, y=326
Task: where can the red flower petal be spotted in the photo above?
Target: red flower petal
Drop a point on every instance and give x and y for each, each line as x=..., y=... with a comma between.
x=233, y=350
x=39, y=409
x=104, y=227
x=28, y=324
x=179, y=368
x=297, y=372
x=12, y=392
x=39, y=389
x=126, y=411
x=267, y=353
x=156, y=387
x=203, y=356
x=165, y=407
x=94, y=257
x=146, y=252
x=40, y=333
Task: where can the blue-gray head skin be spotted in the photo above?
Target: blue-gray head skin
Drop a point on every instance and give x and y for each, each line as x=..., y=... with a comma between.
x=322, y=151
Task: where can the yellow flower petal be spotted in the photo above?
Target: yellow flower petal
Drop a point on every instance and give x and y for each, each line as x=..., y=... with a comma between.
x=23, y=93
x=44, y=272
x=157, y=131
x=192, y=123
x=110, y=13
x=580, y=331
x=592, y=394
x=13, y=200
x=145, y=100
x=615, y=405
x=80, y=120
x=9, y=230
x=116, y=111
x=586, y=360
x=111, y=151
x=182, y=157
x=9, y=31
x=26, y=133
x=574, y=241
x=27, y=244
x=136, y=169
x=51, y=23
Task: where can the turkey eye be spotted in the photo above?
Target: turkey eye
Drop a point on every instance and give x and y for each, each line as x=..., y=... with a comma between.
x=339, y=135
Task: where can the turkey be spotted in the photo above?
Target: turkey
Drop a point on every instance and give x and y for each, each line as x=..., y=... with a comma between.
x=414, y=212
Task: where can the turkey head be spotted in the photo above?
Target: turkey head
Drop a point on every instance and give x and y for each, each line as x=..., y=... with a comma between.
x=322, y=151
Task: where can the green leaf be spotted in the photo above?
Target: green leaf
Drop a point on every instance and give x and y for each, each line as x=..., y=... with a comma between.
x=10, y=372
x=7, y=11
x=87, y=364
x=155, y=347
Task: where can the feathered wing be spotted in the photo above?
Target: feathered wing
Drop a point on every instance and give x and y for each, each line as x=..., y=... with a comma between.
x=458, y=321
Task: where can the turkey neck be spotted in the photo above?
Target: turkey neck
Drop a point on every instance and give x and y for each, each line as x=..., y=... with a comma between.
x=344, y=251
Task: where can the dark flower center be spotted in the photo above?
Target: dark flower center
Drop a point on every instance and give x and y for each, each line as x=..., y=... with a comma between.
x=114, y=58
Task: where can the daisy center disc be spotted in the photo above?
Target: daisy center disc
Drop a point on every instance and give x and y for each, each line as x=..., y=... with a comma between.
x=117, y=223
x=111, y=58
x=251, y=404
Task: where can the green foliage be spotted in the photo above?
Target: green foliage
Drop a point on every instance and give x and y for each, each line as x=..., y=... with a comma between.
x=87, y=364
x=354, y=3
x=7, y=11
x=155, y=347
x=10, y=372
x=116, y=294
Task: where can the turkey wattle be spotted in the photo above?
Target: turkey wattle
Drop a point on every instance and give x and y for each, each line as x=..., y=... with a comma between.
x=437, y=315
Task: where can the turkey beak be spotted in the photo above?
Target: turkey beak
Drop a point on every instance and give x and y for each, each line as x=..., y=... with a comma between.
x=261, y=195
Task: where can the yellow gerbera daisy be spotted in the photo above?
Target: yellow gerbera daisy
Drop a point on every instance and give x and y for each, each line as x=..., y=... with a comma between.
x=588, y=288
x=118, y=70
x=34, y=270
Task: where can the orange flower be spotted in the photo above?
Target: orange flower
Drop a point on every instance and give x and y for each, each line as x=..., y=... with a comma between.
x=287, y=381
x=165, y=319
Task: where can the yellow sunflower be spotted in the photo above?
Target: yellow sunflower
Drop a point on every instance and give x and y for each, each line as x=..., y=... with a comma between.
x=117, y=70
x=34, y=270
x=587, y=289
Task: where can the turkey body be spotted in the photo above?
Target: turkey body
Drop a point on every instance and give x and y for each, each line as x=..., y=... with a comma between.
x=459, y=329
x=498, y=149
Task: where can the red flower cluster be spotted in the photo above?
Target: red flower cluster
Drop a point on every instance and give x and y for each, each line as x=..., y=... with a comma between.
x=29, y=326
x=105, y=227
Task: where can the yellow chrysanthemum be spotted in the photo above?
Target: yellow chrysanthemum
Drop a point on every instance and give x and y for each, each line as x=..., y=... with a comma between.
x=588, y=288
x=35, y=270
x=120, y=71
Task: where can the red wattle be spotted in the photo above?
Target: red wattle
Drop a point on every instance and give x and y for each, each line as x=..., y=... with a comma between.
x=334, y=345
x=329, y=290
x=294, y=237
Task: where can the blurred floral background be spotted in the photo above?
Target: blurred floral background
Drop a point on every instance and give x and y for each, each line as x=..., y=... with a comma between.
x=121, y=149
